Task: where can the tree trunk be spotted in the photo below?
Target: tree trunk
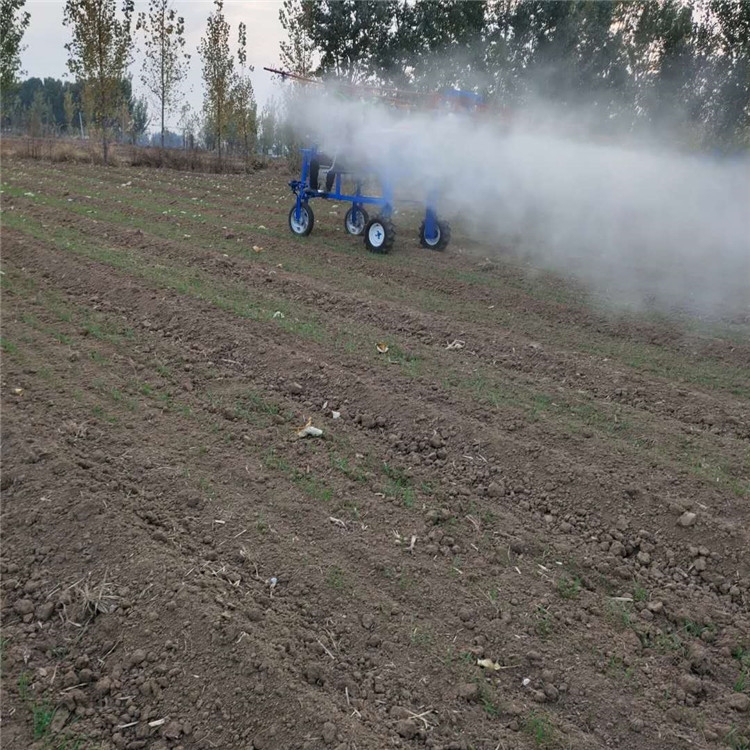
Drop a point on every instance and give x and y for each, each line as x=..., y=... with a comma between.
x=105, y=145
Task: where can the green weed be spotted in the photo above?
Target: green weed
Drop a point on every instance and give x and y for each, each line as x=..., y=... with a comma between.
x=24, y=682
x=335, y=578
x=568, y=588
x=398, y=485
x=543, y=622
x=540, y=728
x=42, y=715
x=640, y=594
x=619, y=614
x=422, y=638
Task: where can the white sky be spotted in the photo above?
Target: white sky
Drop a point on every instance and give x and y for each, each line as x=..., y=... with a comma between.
x=46, y=37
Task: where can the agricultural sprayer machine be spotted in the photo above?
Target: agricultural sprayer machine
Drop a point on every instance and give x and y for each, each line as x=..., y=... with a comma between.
x=378, y=230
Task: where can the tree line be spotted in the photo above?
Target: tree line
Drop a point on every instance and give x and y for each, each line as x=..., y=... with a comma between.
x=681, y=63
x=100, y=53
x=634, y=63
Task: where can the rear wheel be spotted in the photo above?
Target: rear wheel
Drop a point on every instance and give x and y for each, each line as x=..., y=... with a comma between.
x=304, y=225
x=355, y=221
x=441, y=238
x=380, y=234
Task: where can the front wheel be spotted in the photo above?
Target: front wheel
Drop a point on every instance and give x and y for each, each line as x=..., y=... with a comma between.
x=440, y=239
x=355, y=221
x=380, y=234
x=304, y=225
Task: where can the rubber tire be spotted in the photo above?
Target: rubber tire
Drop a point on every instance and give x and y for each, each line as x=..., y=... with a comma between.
x=310, y=223
x=364, y=223
x=390, y=235
x=444, y=236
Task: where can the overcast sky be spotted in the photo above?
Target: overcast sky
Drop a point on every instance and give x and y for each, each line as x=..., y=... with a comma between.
x=46, y=36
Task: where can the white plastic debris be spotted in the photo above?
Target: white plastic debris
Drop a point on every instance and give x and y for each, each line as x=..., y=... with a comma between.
x=309, y=430
x=526, y=681
x=336, y=414
x=456, y=344
x=278, y=314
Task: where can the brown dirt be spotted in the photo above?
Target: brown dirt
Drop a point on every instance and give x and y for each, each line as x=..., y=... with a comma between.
x=180, y=570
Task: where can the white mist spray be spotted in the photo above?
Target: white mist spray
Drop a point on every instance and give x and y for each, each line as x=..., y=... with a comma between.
x=642, y=225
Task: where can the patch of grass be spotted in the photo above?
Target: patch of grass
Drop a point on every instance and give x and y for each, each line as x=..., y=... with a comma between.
x=308, y=483
x=426, y=488
x=405, y=582
x=663, y=642
x=543, y=622
x=742, y=655
x=8, y=346
x=422, y=638
x=97, y=357
x=619, y=614
x=696, y=629
x=540, y=728
x=736, y=741
x=410, y=363
x=98, y=411
x=398, y=485
x=24, y=684
x=616, y=667
x=742, y=682
x=42, y=715
x=336, y=578
x=568, y=588
x=206, y=487
x=486, y=698
x=355, y=473
x=640, y=594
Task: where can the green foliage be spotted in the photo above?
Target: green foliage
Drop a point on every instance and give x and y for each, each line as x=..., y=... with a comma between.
x=243, y=117
x=165, y=61
x=336, y=578
x=568, y=588
x=635, y=61
x=8, y=346
x=13, y=23
x=295, y=52
x=42, y=715
x=99, y=54
x=218, y=74
x=399, y=485
x=540, y=728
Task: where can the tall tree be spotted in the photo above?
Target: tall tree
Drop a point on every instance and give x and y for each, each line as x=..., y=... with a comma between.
x=244, y=108
x=70, y=109
x=165, y=63
x=296, y=53
x=13, y=23
x=99, y=55
x=731, y=79
x=218, y=73
x=139, y=120
x=268, y=126
x=347, y=34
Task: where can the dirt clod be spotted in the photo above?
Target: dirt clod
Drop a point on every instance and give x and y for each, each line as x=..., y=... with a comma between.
x=687, y=519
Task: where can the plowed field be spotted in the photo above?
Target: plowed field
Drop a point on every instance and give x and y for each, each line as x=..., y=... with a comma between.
x=525, y=525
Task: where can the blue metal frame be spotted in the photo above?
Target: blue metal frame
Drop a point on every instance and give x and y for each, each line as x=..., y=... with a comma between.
x=304, y=192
